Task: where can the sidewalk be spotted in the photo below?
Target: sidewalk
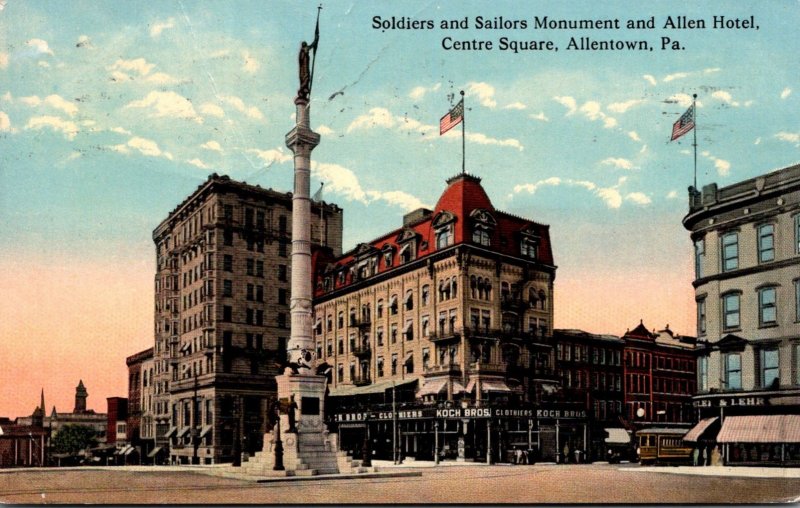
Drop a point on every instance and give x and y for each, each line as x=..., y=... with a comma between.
x=729, y=471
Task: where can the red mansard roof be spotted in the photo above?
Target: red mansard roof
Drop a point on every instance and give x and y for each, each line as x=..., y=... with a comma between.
x=463, y=196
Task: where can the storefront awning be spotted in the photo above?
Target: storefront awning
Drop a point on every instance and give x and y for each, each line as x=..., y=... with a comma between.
x=129, y=450
x=697, y=432
x=205, y=431
x=760, y=429
x=379, y=387
x=154, y=452
x=458, y=387
x=432, y=387
x=170, y=432
x=617, y=436
x=183, y=432
x=489, y=385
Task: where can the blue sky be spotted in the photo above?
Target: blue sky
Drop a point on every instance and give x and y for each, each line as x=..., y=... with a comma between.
x=111, y=113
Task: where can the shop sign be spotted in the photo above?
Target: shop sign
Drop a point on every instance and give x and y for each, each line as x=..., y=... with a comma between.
x=560, y=413
x=730, y=401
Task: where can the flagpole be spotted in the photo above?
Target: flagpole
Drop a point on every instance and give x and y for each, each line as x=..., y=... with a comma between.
x=694, y=129
x=463, y=136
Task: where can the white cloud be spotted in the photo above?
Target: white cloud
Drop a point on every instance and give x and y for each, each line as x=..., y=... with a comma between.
x=376, y=117
x=515, y=105
x=207, y=108
x=200, y=164
x=68, y=128
x=341, y=180
x=250, y=65
x=618, y=162
x=711, y=70
x=3, y=60
x=567, y=102
x=418, y=92
x=211, y=145
x=167, y=104
x=644, y=149
x=144, y=146
x=271, y=156
x=791, y=137
x=673, y=194
x=593, y=111
x=677, y=75
x=483, y=139
x=639, y=198
x=239, y=105
x=757, y=141
x=539, y=116
x=484, y=92
x=723, y=167
x=531, y=188
x=40, y=46
x=725, y=97
x=5, y=122
x=84, y=42
x=161, y=78
x=611, y=197
x=138, y=65
x=622, y=107
x=120, y=130
x=42, y=63
x=58, y=102
x=324, y=130
x=682, y=99
x=159, y=27
x=650, y=79
x=634, y=136
x=31, y=101
x=784, y=94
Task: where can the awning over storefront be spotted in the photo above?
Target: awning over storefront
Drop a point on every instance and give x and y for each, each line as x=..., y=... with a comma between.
x=617, y=436
x=760, y=429
x=489, y=385
x=205, y=431
x=458, y=387
x=379, y=387
x=432, y=387
x=697, y=432
x=170, y=432
x=129, y=450
x=183, y=432
x=154, y=451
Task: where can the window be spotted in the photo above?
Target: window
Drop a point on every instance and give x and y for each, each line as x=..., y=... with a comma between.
x=699, y=255
x=340, y=373
x=425, y=326
x=250, y=292
x=730, y=252
x=770, y=373
x=409, y=330
x=733, y=371
x=797, y=233
x=528, y=248
x=481, y=237
x=701, y=316
x=702, y=373
x=766, y=243
x=766, y=307
x=282, y=296
x=340, y=320
x=227, y=263
x=227, y=288
x=444, y=237
x=797, y=300
x=393, y=333
x=282, y=248
x=393, y=305
x=394, y=364
x=227, y=313
x=730, y=311
x=379, y=309
x=409, y=301
x=379, y=336
x=380, y=366
x=259, y=268
x=281, y=320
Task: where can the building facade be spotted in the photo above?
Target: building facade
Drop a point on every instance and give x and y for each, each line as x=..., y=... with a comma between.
x=141, y=392
x=221, y=315
x=449, y=316
x=747, y=288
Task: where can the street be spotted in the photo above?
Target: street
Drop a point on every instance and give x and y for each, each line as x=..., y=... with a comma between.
x=596, y=483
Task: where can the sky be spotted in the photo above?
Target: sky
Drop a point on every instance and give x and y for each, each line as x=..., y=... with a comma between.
x=111, y=113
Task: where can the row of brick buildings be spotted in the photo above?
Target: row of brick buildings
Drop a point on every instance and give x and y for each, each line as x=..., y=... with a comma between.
x=446, y=323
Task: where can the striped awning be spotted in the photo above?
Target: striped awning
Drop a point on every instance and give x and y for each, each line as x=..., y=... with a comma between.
x=760, y=429
x=183, y=431
x=432, y=387
x=154, y=452
x=170, y=432
x=694, y=435
x=488, y=385
x=205, y=431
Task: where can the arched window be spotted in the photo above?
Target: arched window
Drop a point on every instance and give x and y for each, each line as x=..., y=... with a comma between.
x=393, y=305
x=409, y=300
x=473, y=285
x=444, y=236
x=542, y=299
x=533, y=299
x=441, y=290
x=379, y=309
x=481, y=237
x=352, y=316
x=453, y=287
x=426, y=294
x=340, y=320
x=405, y=254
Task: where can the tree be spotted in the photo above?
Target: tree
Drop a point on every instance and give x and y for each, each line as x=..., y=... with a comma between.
x=73, y=438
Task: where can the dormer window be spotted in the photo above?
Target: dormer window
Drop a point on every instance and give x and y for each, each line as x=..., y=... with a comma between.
x=444, y=237
x=405, y=255
x=528, y=248
x=388, y=257
x=481, y=237
x=483, y=224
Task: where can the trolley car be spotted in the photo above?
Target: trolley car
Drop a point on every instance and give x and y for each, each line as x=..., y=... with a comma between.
x=663, y=446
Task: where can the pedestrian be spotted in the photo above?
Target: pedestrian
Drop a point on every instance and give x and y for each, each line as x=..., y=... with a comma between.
x=696, y=456
x=518, y=456
x=566, y=452
x=525, y=459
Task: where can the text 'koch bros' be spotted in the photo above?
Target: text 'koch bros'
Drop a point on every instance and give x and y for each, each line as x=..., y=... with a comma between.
x=546, y=25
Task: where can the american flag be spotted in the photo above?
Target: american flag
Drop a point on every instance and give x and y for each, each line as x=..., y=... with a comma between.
x=684, y=124
x=452, y=118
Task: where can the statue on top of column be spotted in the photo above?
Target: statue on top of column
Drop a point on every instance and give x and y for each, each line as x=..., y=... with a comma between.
x=306, y=64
